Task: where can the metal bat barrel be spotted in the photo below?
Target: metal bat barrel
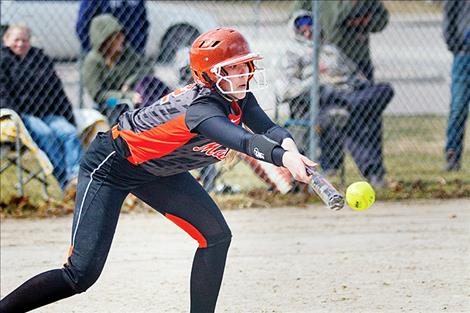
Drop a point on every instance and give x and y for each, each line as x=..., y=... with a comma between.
x=325, y=190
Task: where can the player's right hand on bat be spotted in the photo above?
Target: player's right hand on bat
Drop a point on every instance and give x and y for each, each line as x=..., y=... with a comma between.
x=296, y=164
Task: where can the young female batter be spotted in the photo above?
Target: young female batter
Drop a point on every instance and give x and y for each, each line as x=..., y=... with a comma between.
x=149, y=153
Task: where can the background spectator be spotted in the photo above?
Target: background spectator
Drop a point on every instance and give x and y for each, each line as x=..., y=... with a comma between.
x=130, y=13
x=183, y=67
x=348, y=24
x=350, y=105
x=457, y=37
x=114, y=72
x=30, y=86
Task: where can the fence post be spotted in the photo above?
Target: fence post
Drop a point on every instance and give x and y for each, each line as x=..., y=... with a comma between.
x=81, y=57
x=314, y=97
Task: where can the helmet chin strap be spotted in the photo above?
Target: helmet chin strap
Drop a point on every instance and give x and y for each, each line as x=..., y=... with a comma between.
x=210, y=81
x=229, y=97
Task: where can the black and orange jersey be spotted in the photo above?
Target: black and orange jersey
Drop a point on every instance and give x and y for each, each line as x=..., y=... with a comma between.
x=165, y=138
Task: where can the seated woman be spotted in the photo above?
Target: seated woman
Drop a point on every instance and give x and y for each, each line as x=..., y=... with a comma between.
x=113, y=72
x=350, y=108
x=31, y=87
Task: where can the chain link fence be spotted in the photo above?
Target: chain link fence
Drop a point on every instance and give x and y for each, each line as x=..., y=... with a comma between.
x=384, y=77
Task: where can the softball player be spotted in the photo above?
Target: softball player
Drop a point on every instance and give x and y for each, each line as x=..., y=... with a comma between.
x=149, y=153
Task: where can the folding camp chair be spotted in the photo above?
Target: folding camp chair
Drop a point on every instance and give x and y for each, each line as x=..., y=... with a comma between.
x=15, y=141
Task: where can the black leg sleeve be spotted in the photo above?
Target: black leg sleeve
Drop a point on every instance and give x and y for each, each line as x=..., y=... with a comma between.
x=206, y=277
x=40, y=290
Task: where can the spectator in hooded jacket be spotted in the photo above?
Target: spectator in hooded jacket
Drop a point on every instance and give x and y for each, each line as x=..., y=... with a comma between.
x=30, y=86
x=114, y=72
x=351, y=106
x=348, y=25
x=457, y=37
x=130, y=13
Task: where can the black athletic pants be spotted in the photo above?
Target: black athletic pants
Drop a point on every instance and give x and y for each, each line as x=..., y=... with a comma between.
x=105, y=179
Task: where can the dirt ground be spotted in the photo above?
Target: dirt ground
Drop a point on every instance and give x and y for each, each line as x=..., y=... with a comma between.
x=396, y=257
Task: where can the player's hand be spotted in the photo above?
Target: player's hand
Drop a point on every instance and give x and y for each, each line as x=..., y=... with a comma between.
x=125, y=88
x=289, y=145
x=296, y=163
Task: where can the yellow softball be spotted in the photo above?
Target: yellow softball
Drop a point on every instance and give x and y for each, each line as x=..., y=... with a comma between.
x=360, y=196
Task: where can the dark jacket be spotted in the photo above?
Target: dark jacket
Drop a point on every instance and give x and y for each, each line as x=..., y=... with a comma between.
x=456, y=24
x=31, y=85
x=130, y=13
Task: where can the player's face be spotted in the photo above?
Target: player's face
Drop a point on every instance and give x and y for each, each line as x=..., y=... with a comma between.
x=239, y=83
x=18, y=41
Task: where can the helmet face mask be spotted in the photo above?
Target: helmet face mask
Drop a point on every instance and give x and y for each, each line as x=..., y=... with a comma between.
x=219, y=48
x=254, y=75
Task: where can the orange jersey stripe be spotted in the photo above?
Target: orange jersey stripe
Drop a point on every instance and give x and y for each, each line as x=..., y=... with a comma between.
x=158, y=141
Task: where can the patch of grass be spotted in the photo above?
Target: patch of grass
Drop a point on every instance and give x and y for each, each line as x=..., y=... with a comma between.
x=414, y=149
x=33, y=202
x=414, y=158
x=414, y=7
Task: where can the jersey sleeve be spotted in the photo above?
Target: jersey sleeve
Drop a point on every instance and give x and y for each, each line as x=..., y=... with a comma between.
x=260, y=123
x=254, y=116
x=226, y=133
x=201, y=110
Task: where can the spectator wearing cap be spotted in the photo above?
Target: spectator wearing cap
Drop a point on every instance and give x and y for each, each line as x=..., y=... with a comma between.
x=348, y=24
x=350, y=107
